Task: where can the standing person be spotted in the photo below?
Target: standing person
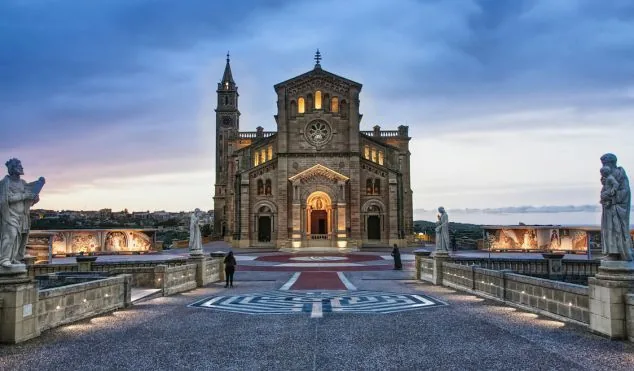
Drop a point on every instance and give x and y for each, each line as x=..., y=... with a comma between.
x=397, y=258
x=230, y=268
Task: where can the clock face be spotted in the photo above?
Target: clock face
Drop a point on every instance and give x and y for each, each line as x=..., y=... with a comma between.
x=227, y=121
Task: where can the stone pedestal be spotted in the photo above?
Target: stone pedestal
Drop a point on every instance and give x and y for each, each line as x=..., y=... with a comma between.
x=18, y=303
x=199, y=260
x=85, y=263
x=608, y=290
x=439, y=258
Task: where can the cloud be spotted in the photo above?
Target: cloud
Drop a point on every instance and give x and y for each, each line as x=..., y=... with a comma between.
x=123, y=88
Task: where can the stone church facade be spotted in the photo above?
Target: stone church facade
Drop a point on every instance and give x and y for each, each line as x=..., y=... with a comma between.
x=318, y=181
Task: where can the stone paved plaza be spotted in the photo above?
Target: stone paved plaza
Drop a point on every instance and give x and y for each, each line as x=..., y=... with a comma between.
x=468, y=333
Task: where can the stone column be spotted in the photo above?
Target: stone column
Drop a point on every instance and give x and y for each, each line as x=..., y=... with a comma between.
x=18, y=300
x=608, y=290
x=439, y=258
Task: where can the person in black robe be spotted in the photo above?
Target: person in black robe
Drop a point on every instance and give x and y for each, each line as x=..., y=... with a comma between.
x=397, y=258
x=230, y=268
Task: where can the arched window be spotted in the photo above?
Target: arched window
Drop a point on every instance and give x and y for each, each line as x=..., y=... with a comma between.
x=293, y=108
x=344, y=109
x=256, y=159
x=377, y=186
x=373, y=155
x=260, y=187
x=262, y=156
x=301, y=105
x=270, y=153
x=326, y=103
x=318, y=99
x=366, y=152
x=368, y=186
x=226, y=100
x=334, y=105
x=380, y=157
x=267, y=187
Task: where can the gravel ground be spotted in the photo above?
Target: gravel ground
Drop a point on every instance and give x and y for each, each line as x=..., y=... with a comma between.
x=469, y=334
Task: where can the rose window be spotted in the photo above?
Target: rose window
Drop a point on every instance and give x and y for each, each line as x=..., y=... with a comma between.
x=318, y=132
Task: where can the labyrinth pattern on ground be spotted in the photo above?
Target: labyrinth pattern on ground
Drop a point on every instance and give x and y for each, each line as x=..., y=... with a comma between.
x=284, y=302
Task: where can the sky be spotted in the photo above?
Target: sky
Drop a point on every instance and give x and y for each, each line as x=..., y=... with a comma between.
x=509, y=103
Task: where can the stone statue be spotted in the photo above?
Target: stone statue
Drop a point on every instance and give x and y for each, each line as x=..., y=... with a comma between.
x=616, y=202
x=195, y=237
x=442, y=231
x=16, y=199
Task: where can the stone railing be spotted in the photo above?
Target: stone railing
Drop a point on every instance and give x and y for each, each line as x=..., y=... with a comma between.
x=66, y=304
x=381, y=134
x=254, y=134
x=541, y=295
x=318, y=236
x=573, y=270
x=605, y=306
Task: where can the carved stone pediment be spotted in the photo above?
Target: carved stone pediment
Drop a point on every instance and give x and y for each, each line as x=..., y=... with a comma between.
x=318, y=171
x=318, y=79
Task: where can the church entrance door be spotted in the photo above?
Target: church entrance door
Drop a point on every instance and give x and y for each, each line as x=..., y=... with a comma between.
x=374, y=227
x=318, y=222
x=264, y=229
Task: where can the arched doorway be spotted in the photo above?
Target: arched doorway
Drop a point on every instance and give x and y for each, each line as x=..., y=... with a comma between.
x=319, y=216
x=264, y=229
x=374, y=227
x=264, y=223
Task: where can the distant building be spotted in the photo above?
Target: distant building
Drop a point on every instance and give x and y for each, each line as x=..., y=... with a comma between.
x=316, y=181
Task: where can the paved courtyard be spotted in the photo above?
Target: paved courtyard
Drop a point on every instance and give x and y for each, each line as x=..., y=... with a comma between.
x=312, y=315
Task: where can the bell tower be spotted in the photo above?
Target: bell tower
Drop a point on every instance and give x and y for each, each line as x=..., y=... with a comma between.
x=227, y=126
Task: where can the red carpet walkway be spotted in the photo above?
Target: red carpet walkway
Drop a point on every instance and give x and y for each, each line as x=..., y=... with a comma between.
x=318, y=281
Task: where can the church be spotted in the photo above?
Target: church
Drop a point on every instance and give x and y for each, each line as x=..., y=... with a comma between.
x=318, y=180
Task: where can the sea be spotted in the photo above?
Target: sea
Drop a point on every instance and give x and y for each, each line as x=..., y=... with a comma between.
x=578, y=218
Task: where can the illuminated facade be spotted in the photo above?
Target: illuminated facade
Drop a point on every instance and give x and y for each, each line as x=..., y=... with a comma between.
x=316, y=181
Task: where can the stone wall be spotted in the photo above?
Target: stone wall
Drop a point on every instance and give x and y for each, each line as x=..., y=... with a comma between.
x=179, y=278
x=66, y=304
x=426, y=269
x=211, y=271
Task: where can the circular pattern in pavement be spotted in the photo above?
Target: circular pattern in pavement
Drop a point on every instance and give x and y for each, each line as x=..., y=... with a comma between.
x=318, y=303
x=318, y=258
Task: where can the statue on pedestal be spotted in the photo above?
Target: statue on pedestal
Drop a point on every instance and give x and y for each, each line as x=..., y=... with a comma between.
x=615, y=219
x=195, y=237
x=442, y=231
x=16, y=199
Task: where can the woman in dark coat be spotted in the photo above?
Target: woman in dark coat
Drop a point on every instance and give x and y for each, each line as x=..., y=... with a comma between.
x=230, y=268
x=397, y=258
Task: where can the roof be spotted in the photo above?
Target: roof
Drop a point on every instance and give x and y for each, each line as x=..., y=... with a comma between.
x=315, y=73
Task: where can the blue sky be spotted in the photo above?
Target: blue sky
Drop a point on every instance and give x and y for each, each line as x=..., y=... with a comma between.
x=509, y=103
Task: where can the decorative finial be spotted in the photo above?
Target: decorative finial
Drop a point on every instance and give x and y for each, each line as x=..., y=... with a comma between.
x=227, y=56
x=317, y=58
